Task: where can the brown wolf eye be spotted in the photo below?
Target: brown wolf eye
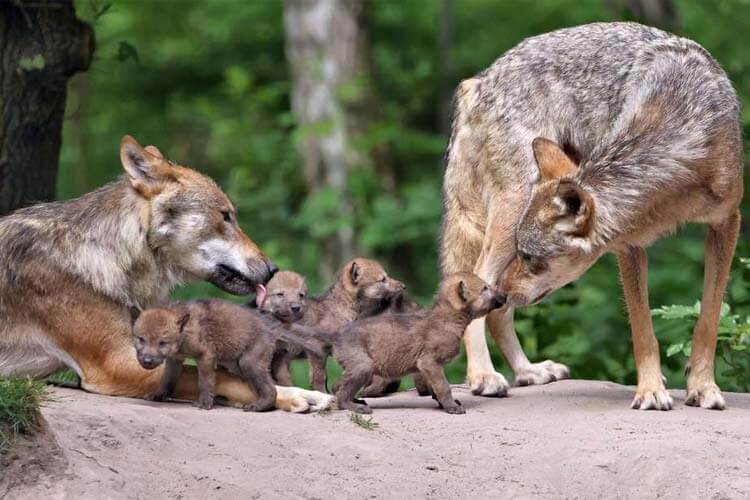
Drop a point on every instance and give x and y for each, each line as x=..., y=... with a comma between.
x=227, y=216
x=162, y=343
x=525, y=257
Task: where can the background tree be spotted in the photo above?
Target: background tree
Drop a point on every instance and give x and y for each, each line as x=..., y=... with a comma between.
x=43, y=45
x=326, y=50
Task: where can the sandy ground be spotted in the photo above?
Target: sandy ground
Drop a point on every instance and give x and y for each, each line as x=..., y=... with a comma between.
x=570, y=439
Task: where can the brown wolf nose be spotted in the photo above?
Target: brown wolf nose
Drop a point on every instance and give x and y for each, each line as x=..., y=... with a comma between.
x=296, y=308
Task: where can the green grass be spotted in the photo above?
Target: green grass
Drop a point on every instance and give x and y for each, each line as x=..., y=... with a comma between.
x=20, y=399
x=366, y=423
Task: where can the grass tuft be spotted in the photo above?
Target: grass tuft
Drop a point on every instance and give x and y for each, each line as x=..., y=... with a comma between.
x=366, y=423
x=20, y=399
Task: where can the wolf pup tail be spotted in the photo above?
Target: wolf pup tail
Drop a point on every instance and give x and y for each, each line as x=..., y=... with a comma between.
x=308, y=339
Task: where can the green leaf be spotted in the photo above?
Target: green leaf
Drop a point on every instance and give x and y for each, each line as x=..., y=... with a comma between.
x=127, y=51
x=674, y=349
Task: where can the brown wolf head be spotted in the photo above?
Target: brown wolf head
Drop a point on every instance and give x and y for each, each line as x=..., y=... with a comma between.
x=367, y=279
x=284, y=296
x=554, y=238
x=157, y=334
x=192, y=224
x=468, y=293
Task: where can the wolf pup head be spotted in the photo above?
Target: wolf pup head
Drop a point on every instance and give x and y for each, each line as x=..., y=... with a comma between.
x=554, y=239
x=192, y=224
x=369, y=281
x=157, y=334
x=468, y=293
x=284, y=296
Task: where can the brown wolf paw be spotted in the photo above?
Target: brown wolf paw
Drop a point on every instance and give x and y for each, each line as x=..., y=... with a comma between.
x=541, y=373
x=708, y=396
x=652, y=399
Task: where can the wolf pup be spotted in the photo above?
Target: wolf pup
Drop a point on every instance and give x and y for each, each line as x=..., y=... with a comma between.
x=594, y=139
x=393, y=345
x=284, y=298
x=214, y=332
x=360, y=289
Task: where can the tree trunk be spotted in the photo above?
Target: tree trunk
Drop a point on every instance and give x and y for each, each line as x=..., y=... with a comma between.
x=42, y=44
x=326, y=48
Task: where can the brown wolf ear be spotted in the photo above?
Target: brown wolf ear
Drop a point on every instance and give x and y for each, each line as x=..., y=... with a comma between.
x=182, y=321
x=576, y=209
x=154, y=151
x=461, y=291
x=355, y=273
x=552, y=161
x=146, y=170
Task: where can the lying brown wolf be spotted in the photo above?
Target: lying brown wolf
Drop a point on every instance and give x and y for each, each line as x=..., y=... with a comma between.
x=70, y=272
x=594, y=139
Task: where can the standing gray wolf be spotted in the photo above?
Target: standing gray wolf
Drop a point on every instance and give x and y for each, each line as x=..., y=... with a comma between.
x=393, y=345
x=70, y=272
x=215, y=333
x=593, y=139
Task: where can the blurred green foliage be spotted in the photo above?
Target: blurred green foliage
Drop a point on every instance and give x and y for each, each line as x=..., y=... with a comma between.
x=208, y=83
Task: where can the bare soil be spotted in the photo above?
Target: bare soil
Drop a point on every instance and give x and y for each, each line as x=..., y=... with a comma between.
x=570, y=439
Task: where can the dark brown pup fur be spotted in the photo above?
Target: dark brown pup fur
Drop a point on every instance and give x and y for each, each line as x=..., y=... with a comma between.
x=394, y=345
x=215, y=333
x=361, y=289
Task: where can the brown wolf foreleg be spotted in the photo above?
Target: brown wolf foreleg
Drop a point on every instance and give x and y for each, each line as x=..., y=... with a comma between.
x=172, y=371
x=434, y=375
x=701, y=386
x=651, y=394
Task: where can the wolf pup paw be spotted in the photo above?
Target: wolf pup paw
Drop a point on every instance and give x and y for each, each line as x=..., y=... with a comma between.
x=204, y=403
x=488, y=384
x=157, y=396
x=541, y=373
x=707, y=396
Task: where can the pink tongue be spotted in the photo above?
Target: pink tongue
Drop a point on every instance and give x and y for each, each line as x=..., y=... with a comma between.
x=260, y=295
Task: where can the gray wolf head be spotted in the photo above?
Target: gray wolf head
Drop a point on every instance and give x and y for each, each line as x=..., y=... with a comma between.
x=191, y=223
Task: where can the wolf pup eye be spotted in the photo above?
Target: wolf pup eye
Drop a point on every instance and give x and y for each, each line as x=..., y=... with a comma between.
x=162, y=343
x=227, y=216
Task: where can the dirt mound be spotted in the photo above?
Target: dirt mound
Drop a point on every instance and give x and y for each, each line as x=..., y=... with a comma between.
x=567, y=439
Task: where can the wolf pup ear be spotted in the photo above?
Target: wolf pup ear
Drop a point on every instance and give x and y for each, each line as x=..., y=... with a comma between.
x=145, y=169
x=576, y=209
x=552, y=161
x=182, y=321
x=154, y=151
x=355, y=272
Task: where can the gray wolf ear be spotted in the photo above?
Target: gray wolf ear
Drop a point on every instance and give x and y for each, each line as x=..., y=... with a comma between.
x=576, y=209
x=552, y=161
x=182, y=321
x=146, y=170
x=355, y=273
